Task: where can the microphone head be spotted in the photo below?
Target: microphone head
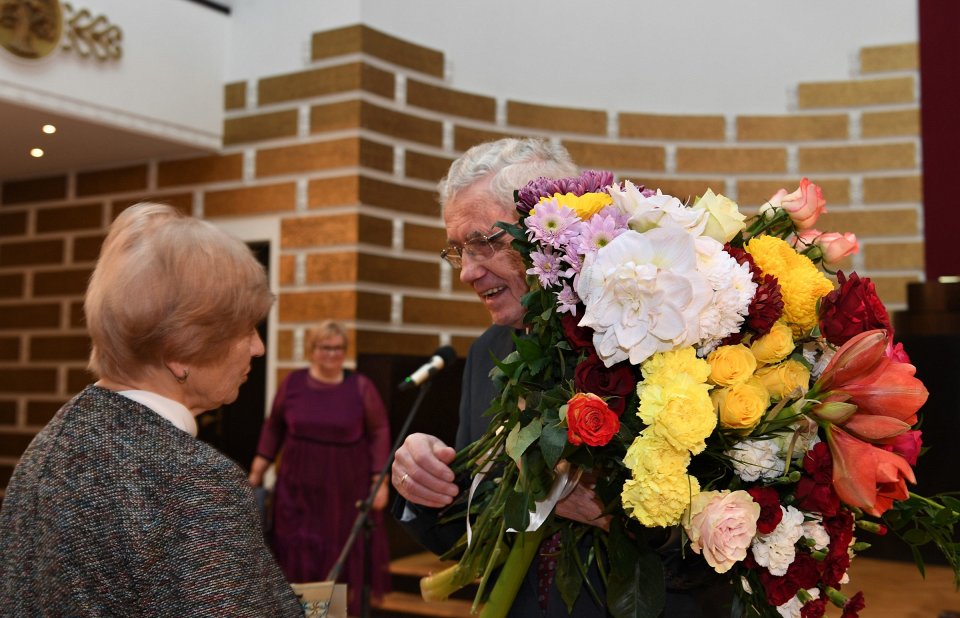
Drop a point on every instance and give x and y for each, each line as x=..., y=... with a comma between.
x=447, y=353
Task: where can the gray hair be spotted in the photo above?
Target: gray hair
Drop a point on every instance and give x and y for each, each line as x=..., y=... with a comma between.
x=510, y=163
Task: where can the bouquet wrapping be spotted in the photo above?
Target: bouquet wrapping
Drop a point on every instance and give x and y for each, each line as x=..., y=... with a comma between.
x=721, y=394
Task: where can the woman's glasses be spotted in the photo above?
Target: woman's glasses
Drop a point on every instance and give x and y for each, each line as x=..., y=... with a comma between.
x=478, y=247
x=331, y=349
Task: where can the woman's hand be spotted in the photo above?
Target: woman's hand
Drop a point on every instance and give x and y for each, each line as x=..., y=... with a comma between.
x=382, y=497
x=257, y=468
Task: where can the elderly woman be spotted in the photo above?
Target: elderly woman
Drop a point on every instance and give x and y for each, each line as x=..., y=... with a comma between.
x=335, y=435
x=115, y=507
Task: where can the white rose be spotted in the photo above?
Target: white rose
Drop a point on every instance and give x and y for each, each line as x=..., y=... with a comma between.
x=724, y=220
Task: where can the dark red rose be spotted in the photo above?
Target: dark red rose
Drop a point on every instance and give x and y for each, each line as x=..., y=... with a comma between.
x=816, y=608
x=770, y=511
x=853, y=607
x=851, y=309
x=779, y=589
x=580, y=337
x=615, y=383
x=815, y=491
x=590, y=421
x=804, y=571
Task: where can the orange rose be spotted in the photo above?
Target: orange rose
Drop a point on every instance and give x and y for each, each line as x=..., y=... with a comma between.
x=590, y=420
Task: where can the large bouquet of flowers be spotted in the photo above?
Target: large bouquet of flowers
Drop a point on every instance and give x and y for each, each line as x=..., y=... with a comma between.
x=713, y=380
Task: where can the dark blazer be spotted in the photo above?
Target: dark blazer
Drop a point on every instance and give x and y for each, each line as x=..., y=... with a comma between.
x=113, y=511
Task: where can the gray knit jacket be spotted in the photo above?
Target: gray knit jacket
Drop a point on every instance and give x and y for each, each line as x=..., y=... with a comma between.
x=113, y=511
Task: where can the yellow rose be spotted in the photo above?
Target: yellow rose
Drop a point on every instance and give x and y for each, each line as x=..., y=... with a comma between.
x=741, y=406
x=783, y=379
x=724, y=219
x=774, y=346
x=731, y=364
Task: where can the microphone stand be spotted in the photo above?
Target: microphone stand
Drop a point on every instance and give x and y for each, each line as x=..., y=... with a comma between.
x=363, y=520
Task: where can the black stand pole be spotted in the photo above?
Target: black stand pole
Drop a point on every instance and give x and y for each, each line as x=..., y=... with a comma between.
x=363, y=520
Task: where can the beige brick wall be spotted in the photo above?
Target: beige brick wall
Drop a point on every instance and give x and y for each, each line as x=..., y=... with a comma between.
x=343, y=164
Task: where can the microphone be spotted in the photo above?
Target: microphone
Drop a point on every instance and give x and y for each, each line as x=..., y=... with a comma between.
x=440, y=359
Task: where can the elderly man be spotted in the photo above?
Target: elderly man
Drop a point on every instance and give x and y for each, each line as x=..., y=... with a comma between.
x=475, y=195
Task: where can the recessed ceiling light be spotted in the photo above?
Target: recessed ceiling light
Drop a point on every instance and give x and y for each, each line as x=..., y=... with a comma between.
x=49, y=128
x=36, y=152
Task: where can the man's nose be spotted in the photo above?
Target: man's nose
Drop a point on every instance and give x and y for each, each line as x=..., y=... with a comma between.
x=471, y=268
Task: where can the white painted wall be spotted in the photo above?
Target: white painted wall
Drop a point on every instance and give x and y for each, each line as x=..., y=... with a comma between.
x=680, y=56
x=169, y=81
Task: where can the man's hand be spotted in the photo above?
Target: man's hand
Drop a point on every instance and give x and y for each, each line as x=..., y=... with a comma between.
x=421, y=471
x=583, y=505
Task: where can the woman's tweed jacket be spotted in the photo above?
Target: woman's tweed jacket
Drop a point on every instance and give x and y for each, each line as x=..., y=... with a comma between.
x=113, y=511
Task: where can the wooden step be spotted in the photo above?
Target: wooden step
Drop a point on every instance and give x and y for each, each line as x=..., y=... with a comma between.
x=397, y=604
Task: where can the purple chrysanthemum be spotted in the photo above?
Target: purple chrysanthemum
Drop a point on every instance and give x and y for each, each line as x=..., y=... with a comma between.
x=552, y=224
x=546, y=267
x=598, y=232
x=567, y=300
x=590, y=181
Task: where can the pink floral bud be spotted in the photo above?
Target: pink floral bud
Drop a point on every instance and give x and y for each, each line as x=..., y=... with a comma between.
x=805, y=205
x=836, y=246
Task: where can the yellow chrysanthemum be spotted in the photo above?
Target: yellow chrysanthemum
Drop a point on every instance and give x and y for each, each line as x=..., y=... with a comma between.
x=801, y=283
x=666, y=364
x=679, y=410
x=585, y=205
x=659, y=499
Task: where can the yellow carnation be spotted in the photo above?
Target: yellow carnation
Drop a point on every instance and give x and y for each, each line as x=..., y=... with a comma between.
x=679, y=411
x=667, y=364
x=775, y=345
x=731, y=364
x=651, y=454
x=741, y=406
x=585, y=205
x=783, y=379
x=801, y=284
x=659, y=499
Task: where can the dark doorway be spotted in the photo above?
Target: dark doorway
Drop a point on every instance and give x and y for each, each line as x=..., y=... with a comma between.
x=234, y=429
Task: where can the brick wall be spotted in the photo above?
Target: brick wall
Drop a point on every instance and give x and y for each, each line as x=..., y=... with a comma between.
x=342, y=158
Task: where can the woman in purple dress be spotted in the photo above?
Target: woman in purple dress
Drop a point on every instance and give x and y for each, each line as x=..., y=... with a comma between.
x=334, y=434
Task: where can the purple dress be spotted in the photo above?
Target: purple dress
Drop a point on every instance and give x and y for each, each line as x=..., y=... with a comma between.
x=335, y=438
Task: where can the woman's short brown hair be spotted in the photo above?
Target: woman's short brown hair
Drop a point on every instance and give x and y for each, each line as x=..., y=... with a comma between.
x=168, y=287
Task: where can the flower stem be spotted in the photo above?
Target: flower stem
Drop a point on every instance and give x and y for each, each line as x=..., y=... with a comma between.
x=513, y=573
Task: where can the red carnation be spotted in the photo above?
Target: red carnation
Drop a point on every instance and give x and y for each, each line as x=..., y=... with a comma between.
x=853, y=607
x=779, y=589
x=613, y=383
x=804, y=571
x=766, y=306
x=816, y=608
x=851, y=309
x=770, y=511
x=815, y=491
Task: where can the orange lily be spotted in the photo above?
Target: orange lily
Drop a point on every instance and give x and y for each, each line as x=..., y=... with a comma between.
x=874, y=383
x=866, y=476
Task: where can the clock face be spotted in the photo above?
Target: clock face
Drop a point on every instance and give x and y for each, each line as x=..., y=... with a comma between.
x=30, y=28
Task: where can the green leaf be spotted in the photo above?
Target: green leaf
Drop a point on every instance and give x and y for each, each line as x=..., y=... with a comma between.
x=916, y=536
x=553, y=439
x=520, y=439
x=636, y=588
x=569, y=576
x=516, y=511
x=945, y=517
x=952, y=503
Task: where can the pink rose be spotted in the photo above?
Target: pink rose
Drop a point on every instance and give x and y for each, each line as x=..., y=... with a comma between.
x=721, y=525
x=896, y=353
x=805, y=205
x=833, y=246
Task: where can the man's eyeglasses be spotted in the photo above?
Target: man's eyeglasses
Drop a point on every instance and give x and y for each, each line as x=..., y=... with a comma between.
x=478, y=247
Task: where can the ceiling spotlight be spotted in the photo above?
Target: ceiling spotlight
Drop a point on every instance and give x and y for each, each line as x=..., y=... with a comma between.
x=36, y=152
x=49, y=129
